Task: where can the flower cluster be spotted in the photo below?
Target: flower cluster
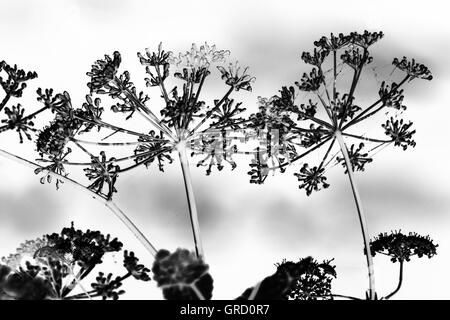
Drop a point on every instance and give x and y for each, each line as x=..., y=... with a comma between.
x=358, y=159
x=236, y=77
x=306, y=129
x=103, y=72
x=312, y=179
x=16, y=120
x=303, y=280
x=153, y=147
x=391, y=96
x=311, y=82
x=104, y=173
x=400, y=132
x=13, y=86
x=16, y=79
x=413, y=68
x=52, y=266
x=401, y=247
x=315, y=281
x=218, y=149
x=184, y=116
x=198, y=58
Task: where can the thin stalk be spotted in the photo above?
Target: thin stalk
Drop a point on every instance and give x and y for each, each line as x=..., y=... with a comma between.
x=400, y=281
x=191, y=199
x=210, y=112
x=358, y=118
x=334, y=76
x=317, y=146
x=365, y=138
x=94, y=293
x=314, y=119
x=131, y=226
x=350, y=95
x=152, y=118
x=107, y=144
x=108, y=203
x=361, y=215
x=197, y=292
x=327, y=153
x=112, y=127
x=5, y=101
x=328, y=111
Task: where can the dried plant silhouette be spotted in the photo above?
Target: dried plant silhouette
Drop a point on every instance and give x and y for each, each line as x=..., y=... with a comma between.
x=53, y=266
x=185, y=119
x=301, y=128
x=14, y=81
x=284, y=130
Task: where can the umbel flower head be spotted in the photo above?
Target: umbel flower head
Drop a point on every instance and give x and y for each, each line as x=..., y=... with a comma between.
x=184, y=117
x=52, y=266
x=401, y=247
x=103, y=72
x=330, y=115
x=13, y=81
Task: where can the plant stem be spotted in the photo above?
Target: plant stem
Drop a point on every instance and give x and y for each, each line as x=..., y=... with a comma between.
x=108, y=203
x=400, y=281
x=5, y=101
x=362, y=218
x=181, y=147
x=131, y=226
x=210, y=112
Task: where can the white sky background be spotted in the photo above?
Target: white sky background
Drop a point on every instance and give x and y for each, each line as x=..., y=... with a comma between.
x=246, y=228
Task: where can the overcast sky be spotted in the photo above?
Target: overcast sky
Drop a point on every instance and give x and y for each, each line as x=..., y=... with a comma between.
x=246, y=228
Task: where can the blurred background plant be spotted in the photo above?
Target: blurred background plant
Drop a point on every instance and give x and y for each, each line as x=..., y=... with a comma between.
x=54, y=266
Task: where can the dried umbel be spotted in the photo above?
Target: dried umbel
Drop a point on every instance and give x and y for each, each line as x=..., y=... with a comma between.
x=186, y=122
x=401, y=247
x=14, y=81
x=329, y=115
x=183, y=118
x=51, y=267
x=305, y=129
x=306, y=279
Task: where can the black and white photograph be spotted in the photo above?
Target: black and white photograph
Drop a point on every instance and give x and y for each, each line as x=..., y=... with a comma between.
x=224, y=150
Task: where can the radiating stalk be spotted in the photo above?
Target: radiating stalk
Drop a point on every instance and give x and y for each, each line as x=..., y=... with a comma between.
x=108, y=203
x=181, y=148
x=131, y=226
x=362, y=217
